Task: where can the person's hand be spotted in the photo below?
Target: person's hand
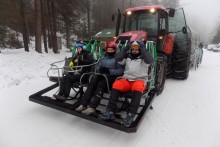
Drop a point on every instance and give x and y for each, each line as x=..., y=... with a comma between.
x=104, y=70
x=76, y=61
x=141, y=44
x=127, y=47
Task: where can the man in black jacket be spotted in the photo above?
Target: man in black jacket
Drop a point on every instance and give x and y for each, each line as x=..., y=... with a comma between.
x=98, y=85
x=82, y=57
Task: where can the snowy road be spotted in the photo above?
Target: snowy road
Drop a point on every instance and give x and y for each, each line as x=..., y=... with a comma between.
x=186, y=114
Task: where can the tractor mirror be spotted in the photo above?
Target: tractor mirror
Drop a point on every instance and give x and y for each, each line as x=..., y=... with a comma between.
x=113, y=17
x=171, y=12
x=184, y=30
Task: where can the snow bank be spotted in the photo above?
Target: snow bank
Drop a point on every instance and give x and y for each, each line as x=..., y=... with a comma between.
x=18, y=66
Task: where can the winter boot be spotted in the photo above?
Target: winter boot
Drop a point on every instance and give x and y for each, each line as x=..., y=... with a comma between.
x=59, y=97
x=88, y=111
x=80, y=108
x=128, y=120
x=108, y=115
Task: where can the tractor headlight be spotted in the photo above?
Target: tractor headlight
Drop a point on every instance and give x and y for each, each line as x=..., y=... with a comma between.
x=129, y=13
x=152, y=10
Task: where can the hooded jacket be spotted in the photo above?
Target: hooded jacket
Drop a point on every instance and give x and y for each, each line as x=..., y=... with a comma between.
x=84, y=58
x=135, y=68
x=109, y=62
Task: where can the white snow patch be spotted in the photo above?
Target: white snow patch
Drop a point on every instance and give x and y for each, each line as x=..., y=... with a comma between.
x=186, y=114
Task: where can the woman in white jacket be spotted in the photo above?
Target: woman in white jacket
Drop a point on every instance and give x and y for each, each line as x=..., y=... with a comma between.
x=136, y=60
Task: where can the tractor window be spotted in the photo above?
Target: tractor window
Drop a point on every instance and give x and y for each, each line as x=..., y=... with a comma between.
x=143, y=21
x=177, y=22
x=162, y=21
x=162, y=29
x=176, y=25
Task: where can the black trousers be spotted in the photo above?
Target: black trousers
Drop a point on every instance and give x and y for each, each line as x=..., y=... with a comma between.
x=96, y=87
x=67, y=83
x=133, y=106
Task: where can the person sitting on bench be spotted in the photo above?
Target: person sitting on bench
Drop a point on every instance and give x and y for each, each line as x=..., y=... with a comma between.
x=82, y=57
x=98, y=84
x=136, y=62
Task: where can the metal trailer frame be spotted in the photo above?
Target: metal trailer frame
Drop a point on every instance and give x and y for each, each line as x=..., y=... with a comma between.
x=148, y=97
x=70, y=109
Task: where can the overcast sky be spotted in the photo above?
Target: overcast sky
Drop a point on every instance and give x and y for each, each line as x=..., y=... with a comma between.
x=203, y=16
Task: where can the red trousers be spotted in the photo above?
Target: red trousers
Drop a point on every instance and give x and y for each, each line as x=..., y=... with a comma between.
x=124, y=85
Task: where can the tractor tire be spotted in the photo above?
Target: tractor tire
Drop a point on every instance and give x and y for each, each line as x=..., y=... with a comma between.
x=180, y=65
x=169, y=72
x=161, y=73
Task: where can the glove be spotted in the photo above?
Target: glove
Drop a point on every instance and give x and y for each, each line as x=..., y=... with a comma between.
x=104, y=70
x=127, y=47
x=141, y=44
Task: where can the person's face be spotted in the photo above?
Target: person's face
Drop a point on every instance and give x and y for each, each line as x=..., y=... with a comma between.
x=79, y=49
x=110, y=50
x=135, y=49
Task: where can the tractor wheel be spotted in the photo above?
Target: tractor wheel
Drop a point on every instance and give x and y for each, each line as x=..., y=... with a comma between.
x=161, y=73
x=180, y=65
x=169, y=72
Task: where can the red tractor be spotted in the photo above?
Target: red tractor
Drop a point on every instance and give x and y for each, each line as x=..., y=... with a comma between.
x=167, y=31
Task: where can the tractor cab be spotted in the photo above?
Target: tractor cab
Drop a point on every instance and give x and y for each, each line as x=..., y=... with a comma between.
x=145, y=23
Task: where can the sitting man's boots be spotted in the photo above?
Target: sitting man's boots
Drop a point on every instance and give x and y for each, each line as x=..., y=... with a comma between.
x=59, y=97
x=80, y=108
x=107, y=115
x=128, y=120
x=88, y=111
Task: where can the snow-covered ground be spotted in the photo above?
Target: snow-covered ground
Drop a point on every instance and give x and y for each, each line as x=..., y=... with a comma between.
x=186, y=114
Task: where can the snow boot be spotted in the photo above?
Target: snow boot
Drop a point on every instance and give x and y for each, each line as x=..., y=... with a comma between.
x=128, y=120
x=88, y=111
x=107, y=115
x=80, y=108
x=59, y=97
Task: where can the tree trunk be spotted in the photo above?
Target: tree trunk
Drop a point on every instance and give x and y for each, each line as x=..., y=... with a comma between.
x=67, y=22
x=24, y=27
x=44, y=25
x=38, y=26
x=49, y=24
x=55, y=49
x=88, y=17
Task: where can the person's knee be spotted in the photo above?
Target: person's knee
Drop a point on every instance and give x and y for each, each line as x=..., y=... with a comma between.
x=93, y=80
x=138, y=86
x=69, y=77
x=102, y=83
x=120, y=85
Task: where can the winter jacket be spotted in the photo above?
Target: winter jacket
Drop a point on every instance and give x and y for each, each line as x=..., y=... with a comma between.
x=109, y=62
x=135, y=69
x=84, y=58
